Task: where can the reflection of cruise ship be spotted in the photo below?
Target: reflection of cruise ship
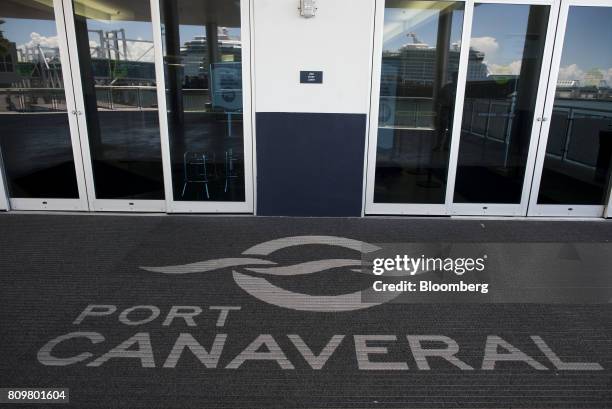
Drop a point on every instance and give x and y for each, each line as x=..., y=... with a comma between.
x=415, y=63
x=575, y=89
x=194, y=53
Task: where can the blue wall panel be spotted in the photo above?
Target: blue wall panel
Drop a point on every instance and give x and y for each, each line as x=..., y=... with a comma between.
x=310, y=164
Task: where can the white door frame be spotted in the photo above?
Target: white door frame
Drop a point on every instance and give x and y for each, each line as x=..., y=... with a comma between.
x=95, y=204
x=81, y=203
x=503, y=209
x=4, y=202
x=173, y=206
x=372, y=207
x=536, y=209
x=450, y=208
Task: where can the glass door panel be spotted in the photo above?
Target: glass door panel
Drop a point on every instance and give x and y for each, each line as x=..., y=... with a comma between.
x=207, y=72
x=503, y=93
x=574, y=166
x=41, y=155
x=116, y=87
x=417, y=86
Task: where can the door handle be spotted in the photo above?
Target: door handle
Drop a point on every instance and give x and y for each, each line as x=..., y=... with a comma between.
x=542, y=119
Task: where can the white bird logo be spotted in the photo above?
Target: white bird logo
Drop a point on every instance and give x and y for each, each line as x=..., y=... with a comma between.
x=265, y=291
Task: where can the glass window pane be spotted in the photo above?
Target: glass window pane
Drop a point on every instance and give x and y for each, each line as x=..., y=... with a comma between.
x=418, y=84
x=34, y=130
x=116, y=56
x=203, y=67
x=579, y=149
x=506, y=52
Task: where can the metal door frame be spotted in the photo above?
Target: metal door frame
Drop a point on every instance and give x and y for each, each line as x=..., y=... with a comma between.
x=95, y=204
x=502, y=209
x=449, y=207
x=173, y=206
x=80, y=204
x=4, y=202
x=536, y=209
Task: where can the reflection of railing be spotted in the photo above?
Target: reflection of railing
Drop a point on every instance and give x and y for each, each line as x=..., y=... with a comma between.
x=492, y=120
x=126, y=97
x=32, y=99
x=570, y=120
x=406, y=112
x=488, y=118
x=145, y=97
x=108, y=97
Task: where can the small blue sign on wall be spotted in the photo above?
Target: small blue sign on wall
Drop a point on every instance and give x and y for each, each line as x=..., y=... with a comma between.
x=311, y=77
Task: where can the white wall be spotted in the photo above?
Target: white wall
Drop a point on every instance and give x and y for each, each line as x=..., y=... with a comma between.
x=338, y=41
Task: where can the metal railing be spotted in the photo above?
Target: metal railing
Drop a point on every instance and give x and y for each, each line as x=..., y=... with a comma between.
x=115, y=98
x=32, y=100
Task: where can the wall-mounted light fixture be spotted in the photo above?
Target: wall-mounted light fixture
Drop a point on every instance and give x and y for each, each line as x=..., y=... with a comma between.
x=308, y=8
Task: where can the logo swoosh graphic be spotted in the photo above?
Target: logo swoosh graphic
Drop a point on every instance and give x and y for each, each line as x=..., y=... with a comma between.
x=309, y=267
x=265, y=291
x=209, y=265
x=267, y=248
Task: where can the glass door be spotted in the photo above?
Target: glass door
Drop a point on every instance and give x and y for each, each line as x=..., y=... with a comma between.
x=206, y=110
x=38, y=117
x=457, y=93
x=572, y=176
x=116, y=90
x=417, y=53
x=493, y=157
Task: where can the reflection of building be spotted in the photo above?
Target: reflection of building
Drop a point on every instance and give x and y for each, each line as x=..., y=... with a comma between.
x=8, y=60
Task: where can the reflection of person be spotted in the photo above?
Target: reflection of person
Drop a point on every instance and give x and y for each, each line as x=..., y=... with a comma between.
x=444, y=115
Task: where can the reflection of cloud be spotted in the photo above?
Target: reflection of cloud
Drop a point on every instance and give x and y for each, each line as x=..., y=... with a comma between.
x=514, y=68
x=575, y=72
x=571, y=72
x=487, y=45
x=140, y=51
x=37, y=39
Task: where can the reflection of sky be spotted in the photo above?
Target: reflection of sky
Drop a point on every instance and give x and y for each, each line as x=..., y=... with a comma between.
x=20, y=30
x=503, y=25
x=423, y=23
x=133, y=29
x=499, y=31
x=507, y=25
x=588, y=39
